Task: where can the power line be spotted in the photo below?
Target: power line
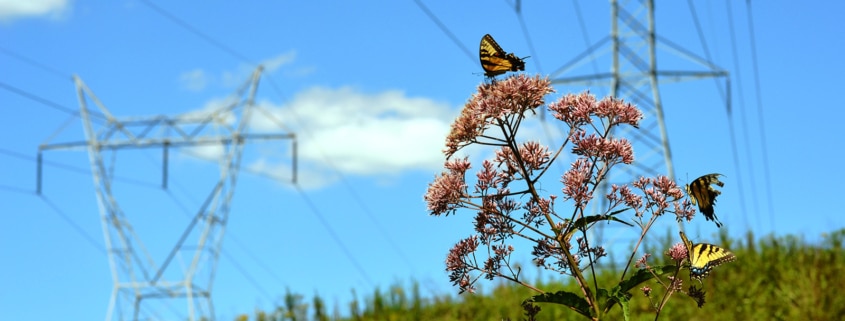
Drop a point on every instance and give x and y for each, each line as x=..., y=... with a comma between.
x=248, y=277
x=45, y=101
x=445, y=30
x=742, y=117
x=330, y=230
x=732, y=130
x=524, y=28
x=333, y=234
x=87, y=236
x=243, y=58
x=74, y=169
x=197, y=32
x=546, y=127
x=230, y=235
x=72, y=112
x=763, y=144
x=349, y=188
x=16, y=189
x=90, y=239
x=586, y=36
x=225, y=253
x=73, y=224
x=36, y=64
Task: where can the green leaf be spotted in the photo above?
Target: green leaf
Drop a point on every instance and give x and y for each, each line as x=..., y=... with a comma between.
x=602, y=297
x=621, y=292
x=569, y=299
x=643, y=275
x=626, y=311
x=582, y=223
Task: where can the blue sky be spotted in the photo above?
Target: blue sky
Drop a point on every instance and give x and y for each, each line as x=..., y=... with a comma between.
x=370, y=89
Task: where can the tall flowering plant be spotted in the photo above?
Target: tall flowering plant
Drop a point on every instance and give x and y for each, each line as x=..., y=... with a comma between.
x=508, y=203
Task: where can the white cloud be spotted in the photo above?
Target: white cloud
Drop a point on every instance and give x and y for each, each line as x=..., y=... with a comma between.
x=382, y=134
x=195, y=80
x=18, y=9
x=206, y=152
x=343, y=131
x=379, y=135
x=198, y=79
x=300, y=72
x=272, y=64
x=243, y=72
x=214, y=108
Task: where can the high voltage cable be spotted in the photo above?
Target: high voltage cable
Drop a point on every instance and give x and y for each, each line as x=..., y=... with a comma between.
x=333, y=234
x=243, y=58
x=732, y=130
x=524, y=28
x=350, y=189
x=45, y=101
x=445, y=30
x=546, y=127
x=89, y=238
x=73, y=224
x=230, y=234
x=742, y=117
x=99, y=116
x=328, y=228
x=36, y=64
x=760, y=115
x=197, y=32
x=248, y=277
x=74, y=169
x=587, y=43
x=61, y=108
x=16, y=189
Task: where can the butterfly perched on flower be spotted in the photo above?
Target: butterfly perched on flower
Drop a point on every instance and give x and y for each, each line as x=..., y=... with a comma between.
x=704, y=257
x=702, y=193
x=495, y=60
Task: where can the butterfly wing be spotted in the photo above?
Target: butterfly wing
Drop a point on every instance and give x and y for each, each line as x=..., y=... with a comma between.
x=704, y=257
x=687, y=244
x=495, y=60
x=703, y=194
x=708, y=256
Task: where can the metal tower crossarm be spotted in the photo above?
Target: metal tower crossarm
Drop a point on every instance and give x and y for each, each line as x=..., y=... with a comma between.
x=632, y=46
x=135, y=274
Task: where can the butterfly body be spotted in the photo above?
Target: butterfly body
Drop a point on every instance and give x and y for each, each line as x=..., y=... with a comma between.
x=702, y=193
x=704, y=257
x=495, y=60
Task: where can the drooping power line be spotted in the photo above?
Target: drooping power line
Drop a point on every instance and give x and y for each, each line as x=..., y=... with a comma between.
x=243, y=58
x=758, y=94
x=743, y=120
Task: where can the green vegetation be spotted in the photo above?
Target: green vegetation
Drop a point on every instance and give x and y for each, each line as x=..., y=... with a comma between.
x=774, y=278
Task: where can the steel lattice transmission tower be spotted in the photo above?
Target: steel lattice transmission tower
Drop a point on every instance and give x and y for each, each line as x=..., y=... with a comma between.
x=135, y=274
x=634, y=76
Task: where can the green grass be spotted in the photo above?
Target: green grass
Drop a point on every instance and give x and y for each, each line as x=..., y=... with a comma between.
x=774, y=278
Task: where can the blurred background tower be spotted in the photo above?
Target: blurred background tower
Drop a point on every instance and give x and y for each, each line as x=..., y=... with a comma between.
x=634, y=76
x=136, y=276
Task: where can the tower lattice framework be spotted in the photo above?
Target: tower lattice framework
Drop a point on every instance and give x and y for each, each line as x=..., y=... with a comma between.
x=634, y=76
x=136, y=276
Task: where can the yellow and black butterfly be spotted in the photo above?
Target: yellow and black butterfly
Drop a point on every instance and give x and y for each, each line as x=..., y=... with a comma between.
x=495, y=60
x=701, y=193
x=703, y=257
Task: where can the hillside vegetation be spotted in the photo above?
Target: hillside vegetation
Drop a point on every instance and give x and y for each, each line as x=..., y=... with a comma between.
x=774, y=278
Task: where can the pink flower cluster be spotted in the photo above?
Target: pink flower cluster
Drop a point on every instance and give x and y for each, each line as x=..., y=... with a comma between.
x=493, y=103
x=579, y=110
x=445, y=193
x=507, y=185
